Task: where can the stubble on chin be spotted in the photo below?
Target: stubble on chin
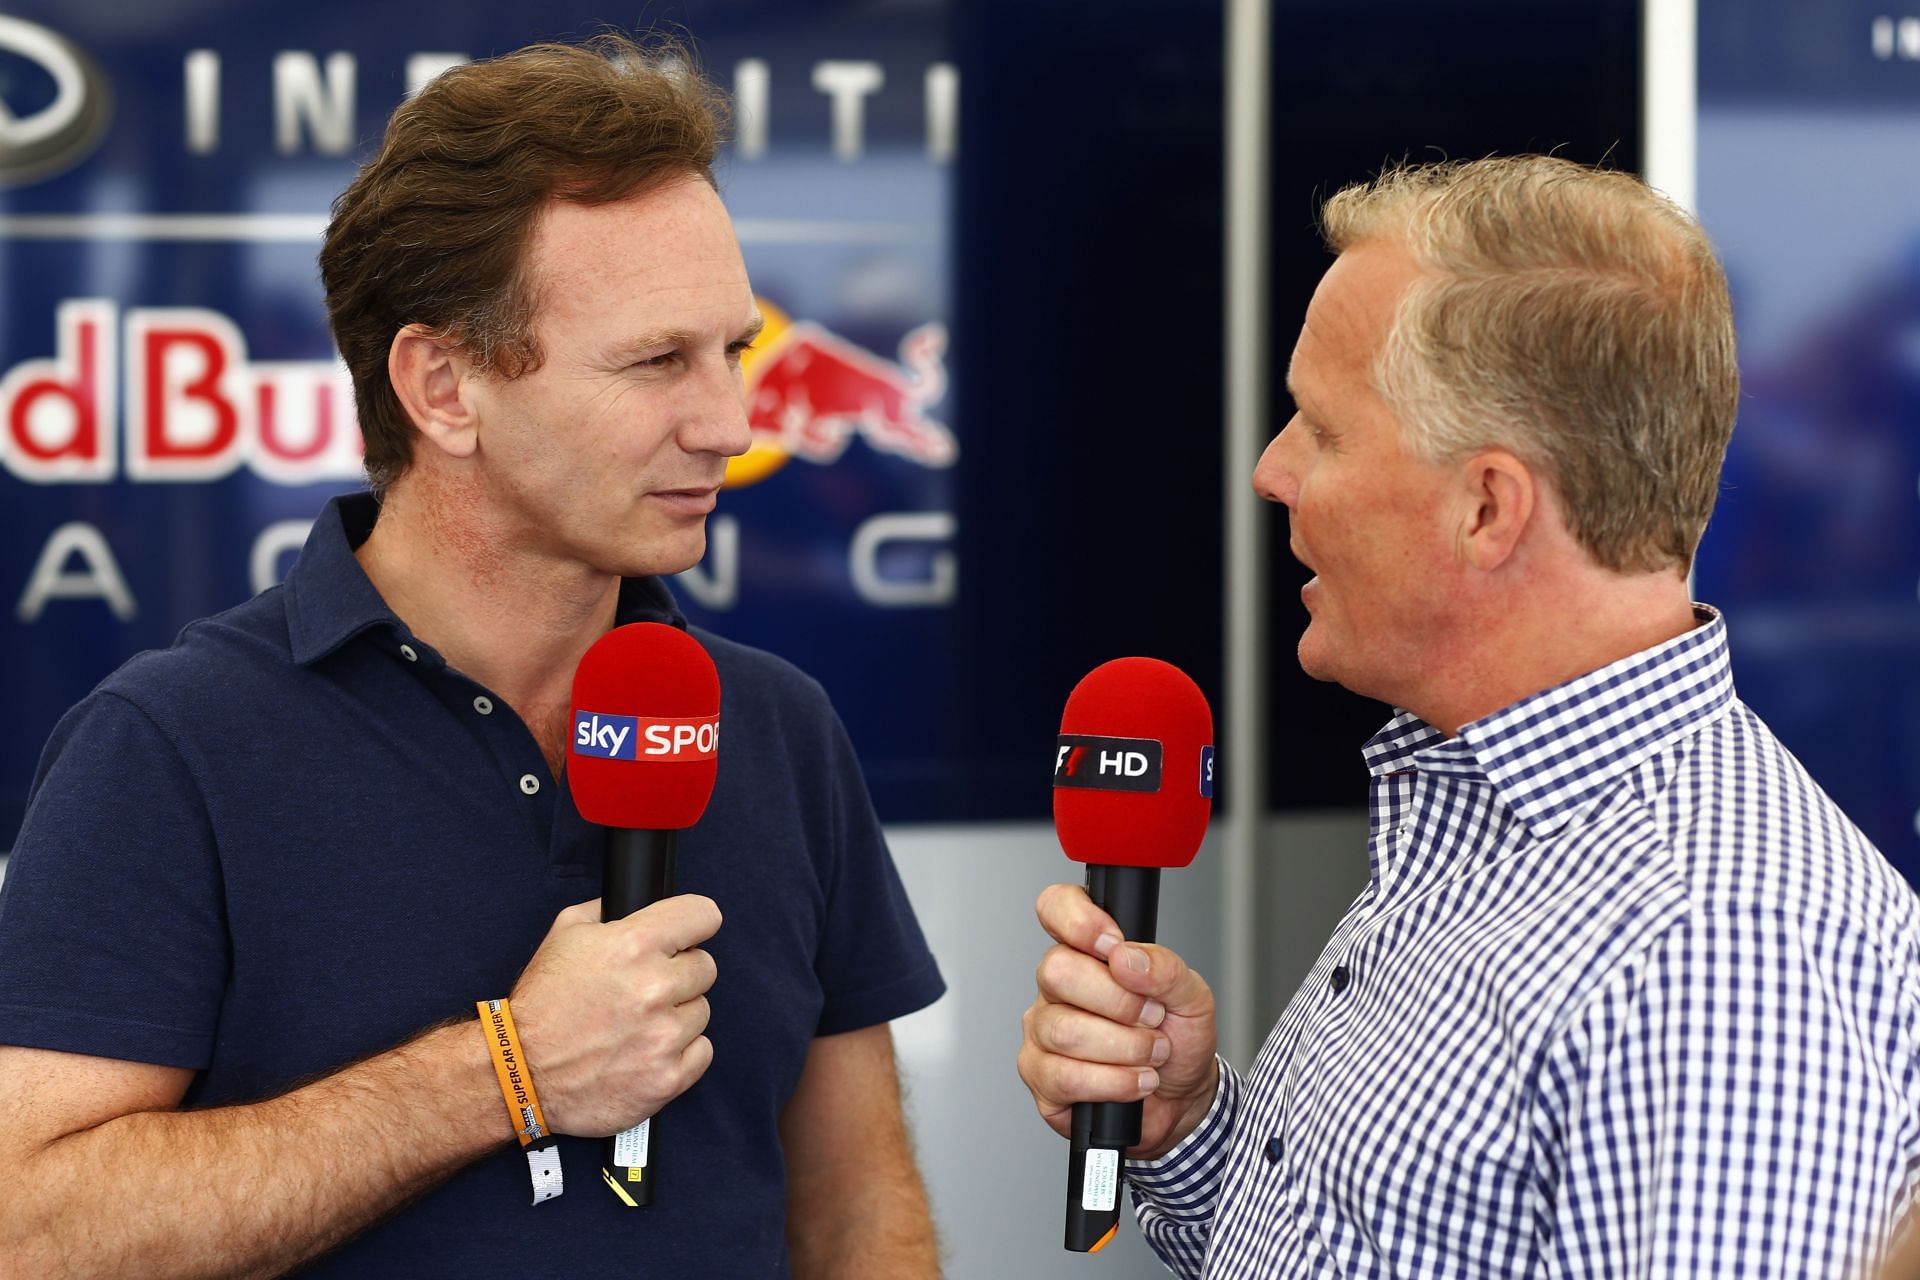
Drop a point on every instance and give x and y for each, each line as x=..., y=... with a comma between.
x=1316, y=664
x=668, y=553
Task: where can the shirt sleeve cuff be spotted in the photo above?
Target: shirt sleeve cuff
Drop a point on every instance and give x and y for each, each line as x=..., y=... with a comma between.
x=1184, y=1183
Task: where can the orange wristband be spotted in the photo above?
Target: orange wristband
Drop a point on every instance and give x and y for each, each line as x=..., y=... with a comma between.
x=523, y=1103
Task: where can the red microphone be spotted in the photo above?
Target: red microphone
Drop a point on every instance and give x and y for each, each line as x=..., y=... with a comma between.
x=646, y=737
x=1132, y=790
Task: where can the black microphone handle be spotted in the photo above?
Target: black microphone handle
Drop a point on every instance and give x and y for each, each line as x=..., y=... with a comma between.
x=636, y=871
x=1102, y=1130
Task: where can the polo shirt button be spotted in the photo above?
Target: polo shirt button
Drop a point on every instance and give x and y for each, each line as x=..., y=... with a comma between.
x=529, y=784
x=1340, y=979
x=484, y=705
x=1273, y=1150
x=406, y=651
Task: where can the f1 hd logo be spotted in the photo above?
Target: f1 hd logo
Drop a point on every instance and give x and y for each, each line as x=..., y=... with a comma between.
x=1084, y=761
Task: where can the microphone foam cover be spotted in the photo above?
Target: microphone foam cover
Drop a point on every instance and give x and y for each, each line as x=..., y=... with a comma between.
x=1097, y=820
x=644, y=732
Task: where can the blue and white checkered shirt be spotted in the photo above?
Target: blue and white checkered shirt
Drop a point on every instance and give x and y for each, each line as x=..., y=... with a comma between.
x=1626, y=995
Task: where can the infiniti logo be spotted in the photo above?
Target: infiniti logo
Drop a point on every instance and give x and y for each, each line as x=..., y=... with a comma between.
x=62, y=133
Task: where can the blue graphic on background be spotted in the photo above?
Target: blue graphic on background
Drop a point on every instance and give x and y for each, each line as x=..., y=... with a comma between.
x=180, y=418
x=1806, y=121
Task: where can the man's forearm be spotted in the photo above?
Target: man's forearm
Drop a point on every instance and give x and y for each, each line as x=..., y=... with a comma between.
x=883, y=1232
x=855, y=1205
x=254, y=1190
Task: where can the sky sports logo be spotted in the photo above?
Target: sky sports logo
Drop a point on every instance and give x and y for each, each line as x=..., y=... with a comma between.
x=610, y=737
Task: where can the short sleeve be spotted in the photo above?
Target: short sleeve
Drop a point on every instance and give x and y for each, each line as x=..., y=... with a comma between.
x=1739, y=1104
x=873, y=962
x=112, y=931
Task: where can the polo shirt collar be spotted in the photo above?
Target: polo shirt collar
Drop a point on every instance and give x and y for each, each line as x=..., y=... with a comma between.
x=330, y=600
x=1549, y=754
x=647, y=600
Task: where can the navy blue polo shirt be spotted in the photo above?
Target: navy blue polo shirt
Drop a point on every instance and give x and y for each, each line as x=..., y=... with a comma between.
x=298, y=837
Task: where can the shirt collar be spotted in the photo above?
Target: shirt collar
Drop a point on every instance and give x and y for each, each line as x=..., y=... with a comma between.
x=1549, y=753
x=330, y=599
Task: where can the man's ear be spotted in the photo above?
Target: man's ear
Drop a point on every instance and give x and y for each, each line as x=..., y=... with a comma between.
x=1502, y=497
x=429, y=374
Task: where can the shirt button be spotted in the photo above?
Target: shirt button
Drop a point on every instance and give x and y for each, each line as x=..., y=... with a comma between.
x=406, y=651
x=484, y=705
x=1273, y=1151
x=1339, y=980
x=529, y=784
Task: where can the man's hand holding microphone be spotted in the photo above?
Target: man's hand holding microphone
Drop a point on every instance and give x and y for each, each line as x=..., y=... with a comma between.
x=1116, y=1021
x=1118, y=1047
x=614, y=1014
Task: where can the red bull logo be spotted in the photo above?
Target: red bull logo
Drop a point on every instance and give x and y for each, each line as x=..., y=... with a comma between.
x=810, y=393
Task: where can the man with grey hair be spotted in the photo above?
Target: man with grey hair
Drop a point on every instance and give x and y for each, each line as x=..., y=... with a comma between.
x=1625, y=994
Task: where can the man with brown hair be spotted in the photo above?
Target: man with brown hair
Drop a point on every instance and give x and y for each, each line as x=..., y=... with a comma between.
x=1625, y=994
x=326, y=823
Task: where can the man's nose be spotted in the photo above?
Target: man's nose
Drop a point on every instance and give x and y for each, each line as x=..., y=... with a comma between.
x=717, y=420
x=1273, y=478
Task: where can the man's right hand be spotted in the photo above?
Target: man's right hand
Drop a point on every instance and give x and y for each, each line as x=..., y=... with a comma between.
x=611, y=1015
x=1117, y=1021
